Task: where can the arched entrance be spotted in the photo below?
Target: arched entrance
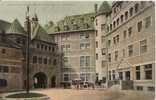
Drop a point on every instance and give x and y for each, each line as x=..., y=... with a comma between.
x=53, y=81
x=40, y=80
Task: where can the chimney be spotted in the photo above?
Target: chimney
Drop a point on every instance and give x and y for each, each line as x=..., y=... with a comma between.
x=95, y=7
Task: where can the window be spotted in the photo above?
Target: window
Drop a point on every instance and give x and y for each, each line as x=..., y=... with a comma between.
x=114, y=24
x=87, y=45
x=66, y=59
x=131, y=11
x=139, y=26
x=40, y=60
x=151, y=88
x=42, y=46
x=126, y=15
x=117, y=38
x=82, y=61
x=5, y=69
x=137, y=72
x=96, y=56
x=82, y=46
x=130, y=31
x=45, y=60
x=148, y=71
x=114, y=39
x=127, y=75
x=3, y=51
x=68, y=47
x=110, y=27
x=3, y=83
x=130, y=50
x=143, y=46
x=116, y=55
x=45, y=47
x=121, y=17
x=103, y=27
x=109, y=43
x=139, y=88
x=66, y=77
x=34, y=59
x=109, y=75
x=113, y=74
x=148, y=22
x=96, y=22
x=84, y=36
x=118, y=21
x=54, y=62
x=49, y=48
x=125, y=34
x=38, y=46
x=109, y=57
x=87, y=60
x=103, y=51
x=96, y=44
x=136, y=8
x=121, y=75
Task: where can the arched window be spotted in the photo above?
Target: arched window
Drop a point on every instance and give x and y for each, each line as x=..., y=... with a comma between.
x=126, y=15
x=136, y=7
x=131, y=11
x=118, y=21
x=114, y=24
x=110, y=27
x=121, y=18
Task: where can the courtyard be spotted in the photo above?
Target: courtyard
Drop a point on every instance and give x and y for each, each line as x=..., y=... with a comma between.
x=97, y=94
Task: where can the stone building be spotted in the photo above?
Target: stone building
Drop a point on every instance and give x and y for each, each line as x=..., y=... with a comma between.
x=44, y=67
x=11, y=65
x=126, y=35
x=75, y=38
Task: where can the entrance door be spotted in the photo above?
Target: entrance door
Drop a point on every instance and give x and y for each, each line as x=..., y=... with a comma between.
x=40, y=80
x=53, y=81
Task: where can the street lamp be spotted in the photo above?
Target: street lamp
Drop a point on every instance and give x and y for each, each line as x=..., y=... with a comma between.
x=28, y=50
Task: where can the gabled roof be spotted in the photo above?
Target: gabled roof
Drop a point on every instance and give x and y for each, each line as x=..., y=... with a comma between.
x=16, y=28
x=104, y=8
x=4, y=25
x=40, y=34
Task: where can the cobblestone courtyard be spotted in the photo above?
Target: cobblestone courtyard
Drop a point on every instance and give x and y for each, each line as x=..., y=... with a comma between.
x=69, y=94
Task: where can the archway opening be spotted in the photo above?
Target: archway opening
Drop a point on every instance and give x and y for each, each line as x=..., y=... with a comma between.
x=40, y=80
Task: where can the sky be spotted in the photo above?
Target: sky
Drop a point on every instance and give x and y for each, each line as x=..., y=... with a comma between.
x=46, y=11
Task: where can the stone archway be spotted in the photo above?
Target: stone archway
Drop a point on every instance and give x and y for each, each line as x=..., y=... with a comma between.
x=53, y=81
x=40, y=80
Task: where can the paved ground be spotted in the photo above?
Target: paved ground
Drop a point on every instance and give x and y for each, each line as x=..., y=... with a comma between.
x=69, y=94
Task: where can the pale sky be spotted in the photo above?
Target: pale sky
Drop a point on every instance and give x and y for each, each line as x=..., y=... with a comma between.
x=46, y=11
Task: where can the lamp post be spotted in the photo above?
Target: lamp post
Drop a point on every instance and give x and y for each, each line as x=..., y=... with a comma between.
x=28, y=50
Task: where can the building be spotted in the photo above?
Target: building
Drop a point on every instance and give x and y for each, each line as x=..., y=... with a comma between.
x=44, y=65
x=11, y=65
x=76, y=41
x=126, y=35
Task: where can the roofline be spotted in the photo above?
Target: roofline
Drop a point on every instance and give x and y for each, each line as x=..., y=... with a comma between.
x=61, y=32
